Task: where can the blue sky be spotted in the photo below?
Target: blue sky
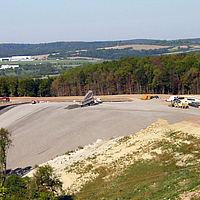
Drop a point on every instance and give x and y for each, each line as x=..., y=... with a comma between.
x=42, y=21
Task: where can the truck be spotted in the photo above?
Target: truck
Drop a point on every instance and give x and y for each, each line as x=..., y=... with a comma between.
x=4, y=99
x=172, y=98
x=89, y=100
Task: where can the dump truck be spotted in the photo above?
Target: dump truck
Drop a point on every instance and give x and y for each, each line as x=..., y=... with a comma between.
x=89, y=100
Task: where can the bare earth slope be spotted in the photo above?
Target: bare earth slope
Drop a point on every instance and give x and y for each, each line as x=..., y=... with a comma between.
x=79, y=167
x=43, y=131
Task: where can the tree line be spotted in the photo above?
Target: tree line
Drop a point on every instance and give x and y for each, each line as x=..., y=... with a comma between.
x=15, y=87
x=117, y=53
x=166, y=74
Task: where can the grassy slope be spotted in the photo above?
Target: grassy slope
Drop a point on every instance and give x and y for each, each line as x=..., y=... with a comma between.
x=172, y=171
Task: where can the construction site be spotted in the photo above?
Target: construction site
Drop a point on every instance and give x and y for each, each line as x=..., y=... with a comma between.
x=63, y=131
x=47, y=129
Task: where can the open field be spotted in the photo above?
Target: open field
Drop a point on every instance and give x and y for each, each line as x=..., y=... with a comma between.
x=43, y=131
x=70, y=61
x=137, y=47
x=43, y=68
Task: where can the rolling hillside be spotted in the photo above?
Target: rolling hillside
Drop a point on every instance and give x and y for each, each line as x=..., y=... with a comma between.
x=102, y=49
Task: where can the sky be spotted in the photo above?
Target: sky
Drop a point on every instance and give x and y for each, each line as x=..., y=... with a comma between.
x=43, y=21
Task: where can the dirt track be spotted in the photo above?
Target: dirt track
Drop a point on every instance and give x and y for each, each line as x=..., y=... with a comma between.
x=43, y=131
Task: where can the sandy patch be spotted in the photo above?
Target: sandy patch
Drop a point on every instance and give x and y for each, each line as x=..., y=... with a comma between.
x=40, y=57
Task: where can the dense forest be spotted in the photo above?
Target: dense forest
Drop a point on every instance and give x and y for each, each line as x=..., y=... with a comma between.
x=15, y=87
x=171, y=74
x=166, y=74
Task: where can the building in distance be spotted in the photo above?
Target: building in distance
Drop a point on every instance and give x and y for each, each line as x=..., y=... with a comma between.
x=17, y=58
x=9, y=66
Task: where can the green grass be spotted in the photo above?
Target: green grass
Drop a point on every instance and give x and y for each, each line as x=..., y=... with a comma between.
x=42, y=68
x=159, y=178
x=142, y=180
x=63, y=62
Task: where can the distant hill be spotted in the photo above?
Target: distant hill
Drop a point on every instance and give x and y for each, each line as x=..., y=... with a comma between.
x=11, y=49
x=97, y=48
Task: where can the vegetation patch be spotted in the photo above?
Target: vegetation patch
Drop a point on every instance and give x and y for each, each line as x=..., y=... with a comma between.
x=157, y=178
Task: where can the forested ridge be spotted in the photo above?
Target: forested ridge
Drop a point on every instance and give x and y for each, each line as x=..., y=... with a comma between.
x=65, y=49
x=171, y=74
x=166, y=74
x=11, y=49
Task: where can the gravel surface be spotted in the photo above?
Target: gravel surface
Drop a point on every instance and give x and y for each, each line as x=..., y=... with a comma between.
x=43, y=131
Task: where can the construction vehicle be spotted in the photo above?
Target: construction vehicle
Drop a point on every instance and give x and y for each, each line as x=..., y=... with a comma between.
x=195, y=104
x=172, y=98
x=89, y=100
x=33, y=102
x=177, y=103
x=4, y=99
x=185, y=105
x=146, y=97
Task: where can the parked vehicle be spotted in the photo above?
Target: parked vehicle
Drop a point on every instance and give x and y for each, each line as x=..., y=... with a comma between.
x=177, y=103
x=4, y=99
x=146, y=97
x=99, y=100
x=195, y=104
x=33, y=102
x=172, y=98
x=155, y=97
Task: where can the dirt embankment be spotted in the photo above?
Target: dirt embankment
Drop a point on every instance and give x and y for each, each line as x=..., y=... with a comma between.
x=76, y=168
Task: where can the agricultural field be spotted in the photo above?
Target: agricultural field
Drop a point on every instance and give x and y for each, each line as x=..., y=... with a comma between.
x=43, y=68
x=137, y=47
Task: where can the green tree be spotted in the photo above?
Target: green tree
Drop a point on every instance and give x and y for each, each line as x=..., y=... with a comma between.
x=3, y=87
x=5, y=142
x=17, y=187
x=45, y=87
x=46, y=182
x=27, y=87
x=12, y=87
